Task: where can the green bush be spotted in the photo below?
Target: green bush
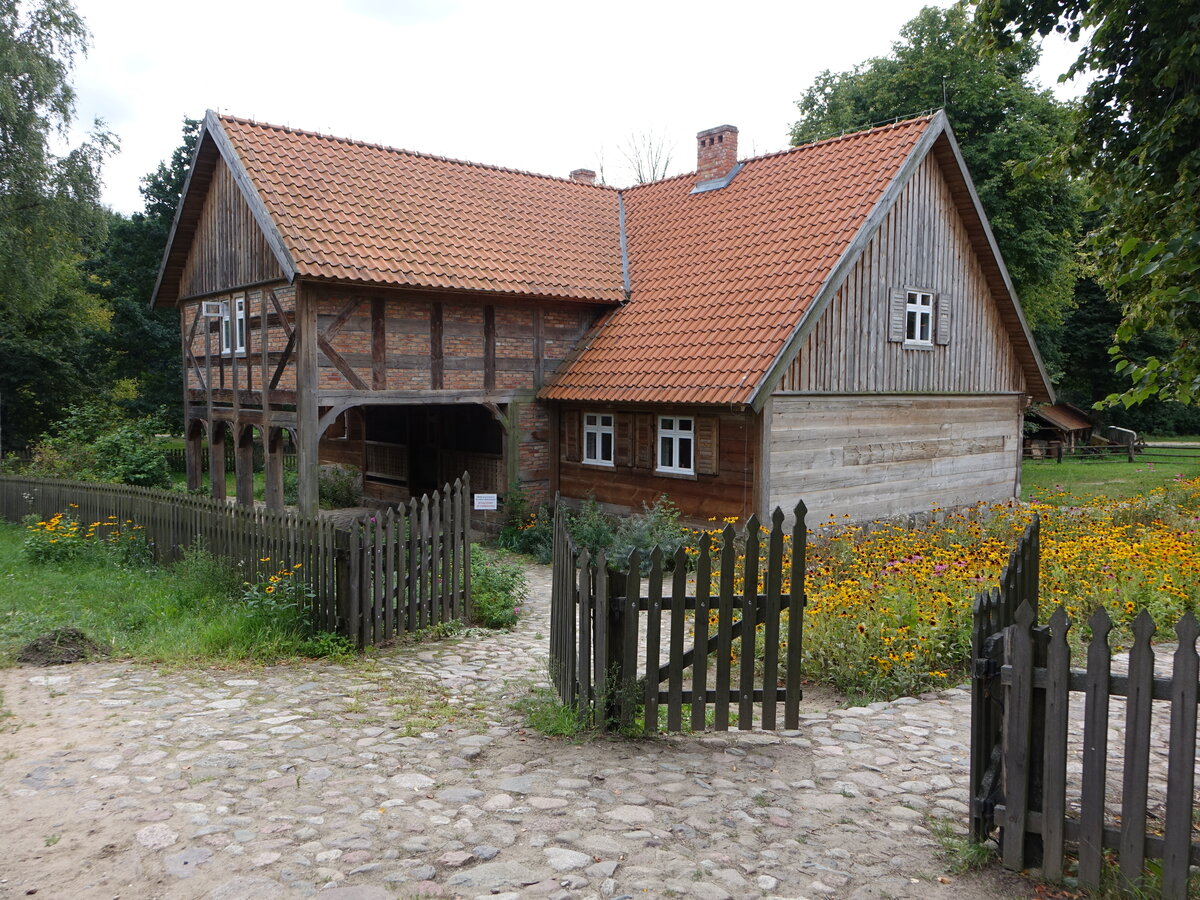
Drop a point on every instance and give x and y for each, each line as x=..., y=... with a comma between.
x=655, y=526
x=591, y=528
x=524, y=531
x=339, y=487
x=498, y=589
x=97, y=441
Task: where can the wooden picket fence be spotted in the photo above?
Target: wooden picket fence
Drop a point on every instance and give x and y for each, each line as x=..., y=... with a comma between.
x=386, y=573
x=611, y=656
x=1022, y=742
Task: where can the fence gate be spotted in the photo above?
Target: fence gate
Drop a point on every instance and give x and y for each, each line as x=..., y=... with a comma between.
x=694, y=647
x=1022, y=740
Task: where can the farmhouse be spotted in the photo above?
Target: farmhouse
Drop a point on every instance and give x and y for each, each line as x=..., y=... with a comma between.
x=832, y=322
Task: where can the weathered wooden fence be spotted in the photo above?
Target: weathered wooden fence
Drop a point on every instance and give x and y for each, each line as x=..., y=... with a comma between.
x=1022, y=742
x=610, y=653
x=397, y=571
x=177, y=459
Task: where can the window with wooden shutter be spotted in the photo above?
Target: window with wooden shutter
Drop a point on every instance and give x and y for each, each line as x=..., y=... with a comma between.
x=707, y=445
x=572, y=429
x=897, y=315
x=645, y=435
x=624, y=439
x=942, y=332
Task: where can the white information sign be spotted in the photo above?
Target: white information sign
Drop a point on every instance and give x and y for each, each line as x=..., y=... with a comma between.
x=485, y=501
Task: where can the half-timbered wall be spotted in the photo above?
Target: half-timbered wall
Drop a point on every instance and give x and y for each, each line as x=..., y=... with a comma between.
x=417, y=340
x=228, y=249
x=207, y=364
x=876, y=456
x=726, y=489
x=921, y=244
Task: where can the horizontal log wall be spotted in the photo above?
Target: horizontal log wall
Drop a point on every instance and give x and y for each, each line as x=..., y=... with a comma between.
x=730, y=492
x=871, y=456
x=922, y=243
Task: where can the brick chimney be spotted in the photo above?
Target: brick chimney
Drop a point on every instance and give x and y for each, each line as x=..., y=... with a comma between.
x=584, y=176
x=717, y=152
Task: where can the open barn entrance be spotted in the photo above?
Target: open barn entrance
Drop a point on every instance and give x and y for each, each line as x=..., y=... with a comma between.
x=409, y=450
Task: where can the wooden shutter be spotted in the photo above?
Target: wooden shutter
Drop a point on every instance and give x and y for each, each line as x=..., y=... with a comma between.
x=896, y=315
x=572, y=436
x=623, y=439
x=644, y=441
x=707, y=445
x=942, y=331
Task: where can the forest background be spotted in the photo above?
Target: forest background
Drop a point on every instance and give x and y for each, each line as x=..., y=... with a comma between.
x=1093, y=203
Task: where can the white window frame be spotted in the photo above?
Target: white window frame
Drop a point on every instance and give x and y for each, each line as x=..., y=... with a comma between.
x=233, y=326
x=597, y=427
x=918, y=318
x=672, y=435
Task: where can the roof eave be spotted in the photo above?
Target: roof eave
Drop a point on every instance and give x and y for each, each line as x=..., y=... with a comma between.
x=212, y=128
x=187, y=184
x=1039, y=365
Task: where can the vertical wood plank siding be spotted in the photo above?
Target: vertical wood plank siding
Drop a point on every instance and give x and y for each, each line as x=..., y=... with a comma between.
x=922, y=243
x=228, y=249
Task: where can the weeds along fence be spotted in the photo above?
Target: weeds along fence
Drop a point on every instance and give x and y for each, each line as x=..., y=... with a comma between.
x=1046, y=785
x=381, y=574
x=621, y=646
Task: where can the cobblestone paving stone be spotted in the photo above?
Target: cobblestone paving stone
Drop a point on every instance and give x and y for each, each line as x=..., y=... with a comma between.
x=411, y=776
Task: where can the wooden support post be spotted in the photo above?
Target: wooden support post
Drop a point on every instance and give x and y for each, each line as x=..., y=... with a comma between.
x=216, y=458
x=193, y=457
x=243, y=464
x=307, y=462
x=273, y=468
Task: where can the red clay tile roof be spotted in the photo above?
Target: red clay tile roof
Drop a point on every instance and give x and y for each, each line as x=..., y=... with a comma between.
x=353, y=211
x=721, y=279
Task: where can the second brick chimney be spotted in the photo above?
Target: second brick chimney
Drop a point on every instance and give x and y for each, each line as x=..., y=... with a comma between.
x=716, y=154
x=583, y=176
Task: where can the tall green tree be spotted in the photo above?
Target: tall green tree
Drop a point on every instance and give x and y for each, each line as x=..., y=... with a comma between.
x=1004, y=123
x=143, y=343
x=1137, y=135
x=49, y=217
x=49, y=203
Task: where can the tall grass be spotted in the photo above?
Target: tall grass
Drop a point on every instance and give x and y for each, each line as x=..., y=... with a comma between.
x=190, y=612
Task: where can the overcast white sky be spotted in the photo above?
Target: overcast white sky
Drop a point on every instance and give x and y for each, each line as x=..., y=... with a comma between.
x=532, y=84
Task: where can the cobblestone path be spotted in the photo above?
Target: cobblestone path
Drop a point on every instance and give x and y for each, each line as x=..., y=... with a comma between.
x=411, y=776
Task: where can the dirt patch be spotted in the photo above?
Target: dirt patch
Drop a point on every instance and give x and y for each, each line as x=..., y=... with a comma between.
x=59, y=647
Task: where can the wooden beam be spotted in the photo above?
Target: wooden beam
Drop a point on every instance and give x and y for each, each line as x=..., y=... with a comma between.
x=489, y=348
x=378, y=344
x=340, y=364
x=307, y=386
x=437, y=359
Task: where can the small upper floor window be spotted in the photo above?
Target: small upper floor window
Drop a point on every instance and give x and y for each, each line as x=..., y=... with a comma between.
x=918, y=318
x=598, y=439
x=233, y=326
x=676, y=445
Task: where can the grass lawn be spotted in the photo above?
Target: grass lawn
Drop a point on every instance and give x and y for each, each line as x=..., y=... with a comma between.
x=1116, y=478
x=187, y=613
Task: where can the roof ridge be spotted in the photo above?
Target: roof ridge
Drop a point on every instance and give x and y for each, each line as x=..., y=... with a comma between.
x=928, y=117
x=387, y=148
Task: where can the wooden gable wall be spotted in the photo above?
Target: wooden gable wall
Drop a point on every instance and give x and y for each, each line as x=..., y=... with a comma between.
x=228, y=249
x=921, y=243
